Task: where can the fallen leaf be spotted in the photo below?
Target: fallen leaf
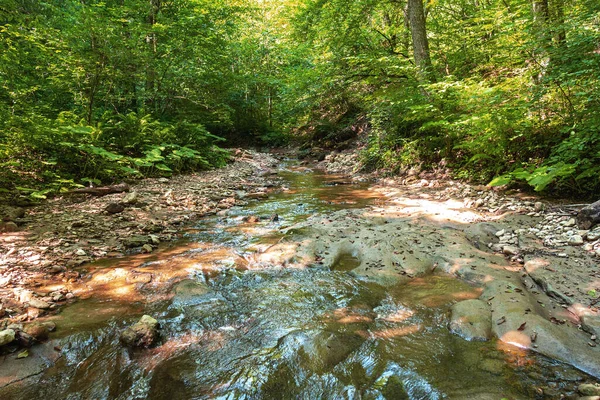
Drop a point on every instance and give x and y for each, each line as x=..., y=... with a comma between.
x=23, y=354
x=522, y=327
x=501, y=321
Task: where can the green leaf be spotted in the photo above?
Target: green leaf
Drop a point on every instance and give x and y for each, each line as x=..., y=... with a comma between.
x=501, y=180
x=163, y=167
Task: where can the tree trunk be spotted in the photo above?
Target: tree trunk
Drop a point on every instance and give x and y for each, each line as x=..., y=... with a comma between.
x=152, y=43
x=416, y=16
x=560, y=36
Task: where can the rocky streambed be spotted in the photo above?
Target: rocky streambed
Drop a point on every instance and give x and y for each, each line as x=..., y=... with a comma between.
x=330, y=287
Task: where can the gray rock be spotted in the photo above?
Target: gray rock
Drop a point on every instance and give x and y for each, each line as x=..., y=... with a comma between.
x=471, y=320
x=519, y=320
x=6, y=336
x=570, y=222
x=589, y=216
x=539, y=206
x=130, y=198
x=144, y=333
x=37, y=303
x=510, y=250
x=114, y=208
x=575, y=240
x=591, y=323
x=482, y=233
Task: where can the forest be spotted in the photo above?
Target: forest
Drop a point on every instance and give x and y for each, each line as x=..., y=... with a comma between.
x=502, y=92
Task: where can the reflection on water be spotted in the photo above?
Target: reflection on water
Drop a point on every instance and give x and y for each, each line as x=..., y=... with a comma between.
x=276, y=333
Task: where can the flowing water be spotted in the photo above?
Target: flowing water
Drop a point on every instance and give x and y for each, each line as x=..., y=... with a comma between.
x=240, y=329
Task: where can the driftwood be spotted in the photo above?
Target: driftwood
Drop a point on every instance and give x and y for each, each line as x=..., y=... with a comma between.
x=102, y=191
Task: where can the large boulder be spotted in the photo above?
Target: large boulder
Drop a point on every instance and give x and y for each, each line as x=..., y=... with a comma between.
x=471, y=320
x=589, y=216
x=144, y=333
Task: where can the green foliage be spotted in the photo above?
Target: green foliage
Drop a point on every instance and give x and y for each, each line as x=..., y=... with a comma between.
x=98, y=91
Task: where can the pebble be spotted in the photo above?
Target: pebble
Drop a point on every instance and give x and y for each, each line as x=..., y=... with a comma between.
x=575, y=240
x=80, y=252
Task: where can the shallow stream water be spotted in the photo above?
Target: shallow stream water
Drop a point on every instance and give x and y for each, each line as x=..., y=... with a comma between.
x=235, y=329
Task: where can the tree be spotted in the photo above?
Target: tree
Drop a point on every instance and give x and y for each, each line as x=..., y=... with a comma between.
x=416, y=16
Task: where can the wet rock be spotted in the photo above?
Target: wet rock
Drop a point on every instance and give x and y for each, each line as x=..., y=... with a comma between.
x=114, y=208
x=274, y=218
x=471, y=320
x=37, y=331
x=252, y=219
x=520, y=319
x=37, y=303
x=139, y=277
x=7, y=336
x=323, y=351
x=144, y=333
x=589, y=216
x=493, y=366
x=189, y=292
x=589, y=389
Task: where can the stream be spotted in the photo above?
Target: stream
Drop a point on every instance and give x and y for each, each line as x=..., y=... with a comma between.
x=234, y=326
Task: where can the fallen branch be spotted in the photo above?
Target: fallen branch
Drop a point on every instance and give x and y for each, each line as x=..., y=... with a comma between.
x=102, y=191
